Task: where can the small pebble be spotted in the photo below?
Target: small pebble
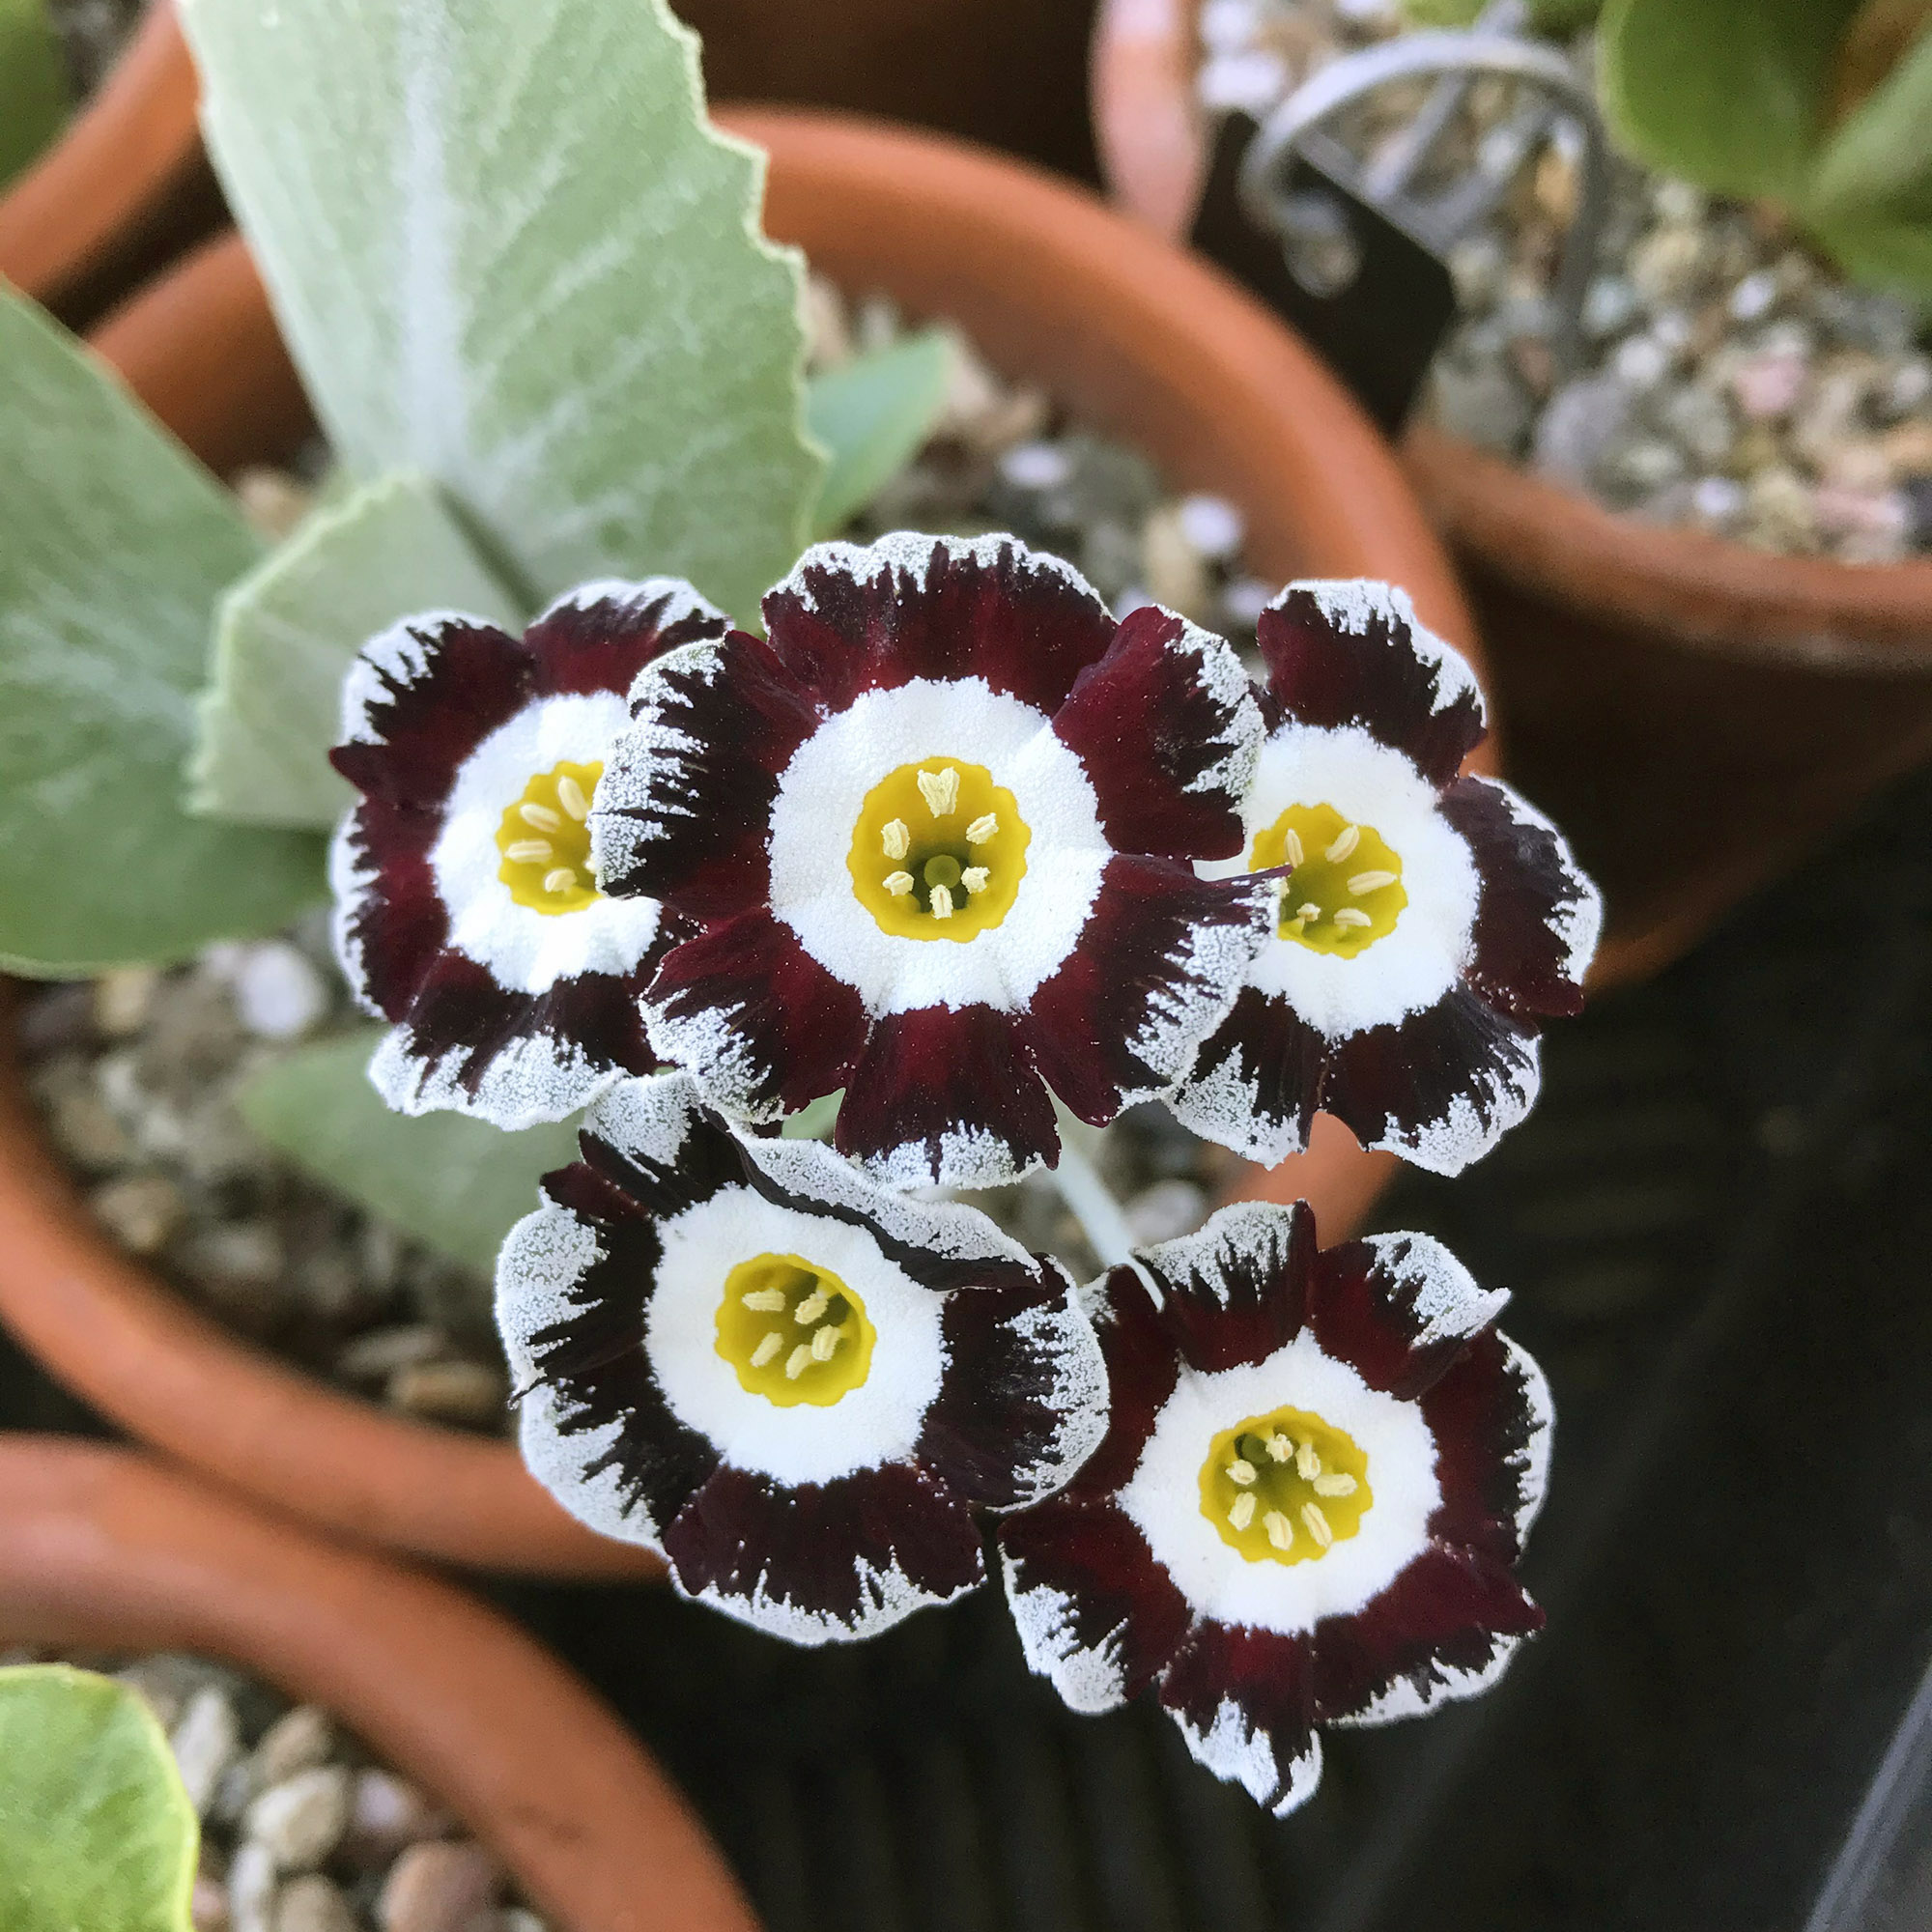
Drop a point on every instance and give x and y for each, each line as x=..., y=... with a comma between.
x=121, y=1000
x=251, y=1888
x=380, y=1354
x=440, y=1887
x=312, y=1904
x=296, y=1741
x=828, y=334
x=1037, y=466
x=1640, y=363
x=1768, y=388
x=279, y=994
x=1717, y=502
x=450, y=1391
x=1212, y=526
x=302, y=1820
x=1166, y=1210
x=273, y=500
x=1244, y=600
x=241, y=1254
x=208, y=1905
x=1583, y=418
x=205, y=1742
x=1755, y=296
x=1246, y=83
x=387, y=1812
x=1176, y=572
x=142, y=1213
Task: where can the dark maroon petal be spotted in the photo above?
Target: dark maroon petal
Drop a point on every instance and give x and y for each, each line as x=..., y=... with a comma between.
x=825, y=1561
x=1537, y=916
x=1448, y=1618
x=1267, y=1680
x=601, y=636
x=682, y=811
x=1164, y=725
x=430, y=692
x=1095, y=1611
x=762, y=1025
x=1151, y=975
x=1022, y=1391
x=1322, y=672
x=1440, y=1086
x=849, y=620
x=1486, y=1413
x=390, y=921
x=617, y=1179
x=1142, y=1370
x=951, y=1088
x=1237, y=1290
x=1255, y=1083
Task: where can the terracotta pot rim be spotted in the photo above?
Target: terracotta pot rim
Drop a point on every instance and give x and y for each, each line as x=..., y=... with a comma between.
x=100, y=1547
x=1180, y=353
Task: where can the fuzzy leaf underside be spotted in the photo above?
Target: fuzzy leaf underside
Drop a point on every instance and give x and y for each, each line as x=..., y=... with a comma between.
x=95, y=1830
x=1870, y=199
x=507, y=251
x=286, y=633
x=114, y=546
x=33, y=84
x=873, y=415
x=455, y=1184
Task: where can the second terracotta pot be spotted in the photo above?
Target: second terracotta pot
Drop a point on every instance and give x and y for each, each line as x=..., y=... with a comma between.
x=1124, y=330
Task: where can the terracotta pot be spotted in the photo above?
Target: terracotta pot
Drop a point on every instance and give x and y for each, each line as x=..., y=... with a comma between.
x=1696, y=715
x=1132, y=335
x=102, y=1549
x=123, y=189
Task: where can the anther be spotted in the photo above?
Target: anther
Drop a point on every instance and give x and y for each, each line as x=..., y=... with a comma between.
x=1370, y=882
x=539, y=815
x=1279, y=1447
x=899, y=884
x=529, y=851
x=983, y=828
x=823, y=1344
x=570, y=795
x=975, y=878
x=811, y=1308
x=1346, y=841
x=941, y=902
x=1318, y=1524
x=1280, y=1532
x=1307, y=1461
x=560, y=881
x=896, y=838
x=1337, y=1485
x=767, y=1349
x=1242, y=1471
x=798, y=1361
x=1351, y=916
x=1242, y=1513
x=940, y=790
x=1309, y=911
x=1291, y=848
x=766, y=1300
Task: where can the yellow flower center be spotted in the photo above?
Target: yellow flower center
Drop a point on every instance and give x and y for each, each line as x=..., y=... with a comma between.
x=1285, y=1487
x=793, y=1331
x=544, y=840
x=939, y=851
x=1345, y=892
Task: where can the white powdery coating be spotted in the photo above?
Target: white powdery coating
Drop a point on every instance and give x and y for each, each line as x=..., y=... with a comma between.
x=681, y=600
x=1163, y=1495
x=1223, y=1105
x=533, y=1078
x=1578, y=921
x=1352, y=603
x=1466, y=1132
x=929, y=721
x=1079, y=1398
x=400, y=656
x=1213, y=964
x=1403, y=1699
x=1232, y=1748
x=1089, y=1677
x=1440, y=1294
x=969, y=1157
x=352, y=884
x=1406, y=970
x=1219, y=672
x=645, y=772
x=878, y=1422
x=910, y=552
x=1531, y=1462
x=887, y=1597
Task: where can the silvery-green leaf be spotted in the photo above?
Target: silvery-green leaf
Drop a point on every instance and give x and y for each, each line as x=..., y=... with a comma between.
x=33, y=84
x=114, y=545
x=1873, y=181
x=286, y=633
x=815, y=1121
x=453, y=1183
x=507, y=251
x=872, y=414
x=97, y=1833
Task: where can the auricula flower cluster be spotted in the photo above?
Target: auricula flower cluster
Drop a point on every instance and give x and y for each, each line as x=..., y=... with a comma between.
x=952, y=842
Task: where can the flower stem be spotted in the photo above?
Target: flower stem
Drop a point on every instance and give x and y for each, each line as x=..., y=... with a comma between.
x=1088, y=1197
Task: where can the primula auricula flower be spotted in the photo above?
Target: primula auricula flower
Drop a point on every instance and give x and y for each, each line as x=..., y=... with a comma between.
x=1428, y=922
x=794, y=1384
x=1317, y=1478
x=466, y=908
x=938, y=833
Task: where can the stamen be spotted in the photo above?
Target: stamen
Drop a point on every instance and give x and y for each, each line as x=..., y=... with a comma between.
x=824, y=1342
x=767, y=1349
x=539, y=815
x=1307, y=1461
x=983, y=828
x=766, y=1300
x=896, y=838
x=570, y=795
x=1279, y=1447
x=811, y=1308
x=560, y=881
x=899, y=884
x=1346, y=841
x=1241, y=1471
x=1280, y=1532
x=941, y=902
x=1338, y=1485
x=1351, y=916
x=1370, y=882
x=1318, y=1524
x=1309, y=911
x=529, y=851
x=1244, y=1511
x=974, y=878
x=1291, y=848
x=940, y=790
x=800, y=1359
